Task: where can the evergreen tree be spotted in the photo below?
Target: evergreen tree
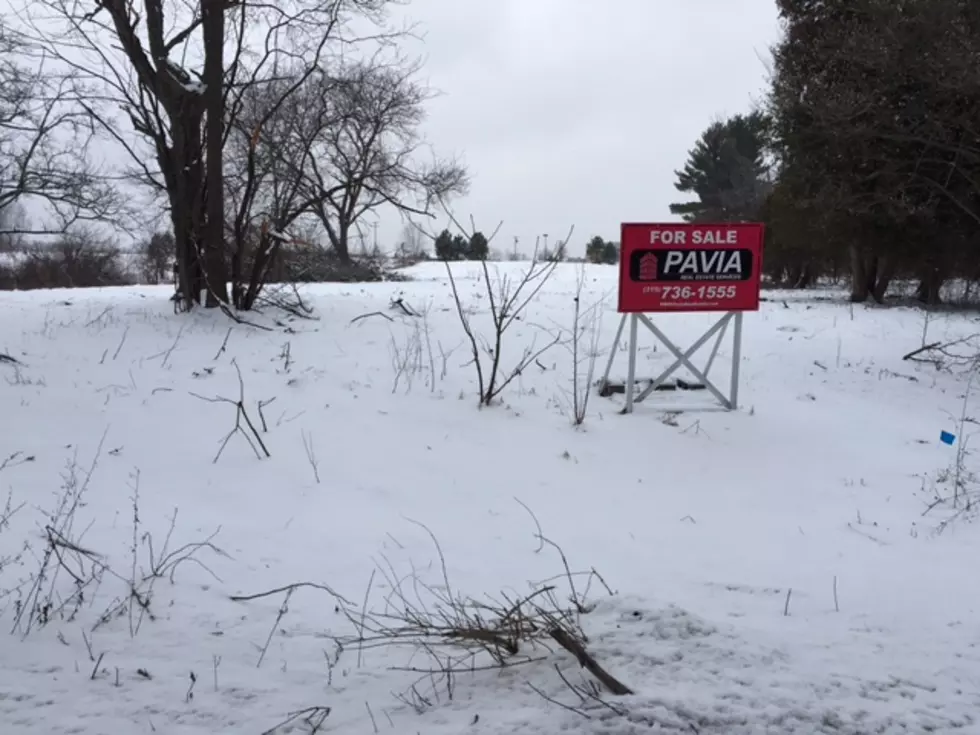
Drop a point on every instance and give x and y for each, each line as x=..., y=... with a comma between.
x=874, y=106
x=444, y=246
x=595, y=250
x=460, y=247
x=478, y=247
x=600, y=251
x=727, y=171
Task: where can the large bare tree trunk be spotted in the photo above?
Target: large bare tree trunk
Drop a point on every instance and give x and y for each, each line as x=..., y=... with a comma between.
x=805, y=279
x=338, y=233
x=342, y=244
x=859, y=275
x=871, y=275
x=186, y=171
x=884, y=272
x=929, y=291
x=213, y=26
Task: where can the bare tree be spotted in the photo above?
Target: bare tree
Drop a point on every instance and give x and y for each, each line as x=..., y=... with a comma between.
x=507, y=299
x=125, y=51
x=367, y=151
x=270, y=144
x=411, y=246
x=45, y=143
x=13, y=222
x=142, y=58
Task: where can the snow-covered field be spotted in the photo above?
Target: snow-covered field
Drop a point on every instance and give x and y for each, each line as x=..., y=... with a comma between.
x=772, y=568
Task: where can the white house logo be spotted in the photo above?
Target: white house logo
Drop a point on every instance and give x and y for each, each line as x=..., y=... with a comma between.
x=700, y=264
x=648, y=267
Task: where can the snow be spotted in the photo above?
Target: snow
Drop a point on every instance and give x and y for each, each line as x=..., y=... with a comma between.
x=773, y=568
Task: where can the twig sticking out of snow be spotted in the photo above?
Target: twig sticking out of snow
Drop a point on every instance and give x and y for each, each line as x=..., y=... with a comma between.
x=370, y=314
x=286, y=356
x=296, y=585
x=224, y=344
x=415, y=355
x=283, y=609
x=311, y=455
x=261, y=406
x=165, y=354
x=588, y=694
x=252, y=435
x=583, y=347
x=539, y=535
x=399, y=304
x=38, y=605
x=312, y=717
x=15, y=459
x=87, y=570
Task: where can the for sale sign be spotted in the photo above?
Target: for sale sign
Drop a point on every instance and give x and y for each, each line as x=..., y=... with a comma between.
x=688, y=267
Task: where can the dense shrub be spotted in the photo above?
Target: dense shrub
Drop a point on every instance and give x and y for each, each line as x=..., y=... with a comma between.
x=75, y=261
x=7, y=277
x=321, y=265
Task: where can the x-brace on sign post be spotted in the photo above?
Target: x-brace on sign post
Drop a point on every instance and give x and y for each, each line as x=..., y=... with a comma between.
x=682, y=268
x=681, y=359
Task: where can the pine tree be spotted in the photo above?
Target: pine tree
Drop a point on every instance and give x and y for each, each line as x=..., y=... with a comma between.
x=595, y=250
x=444, y=246
x=478, y=247
x=727, y=171
x=874, y=106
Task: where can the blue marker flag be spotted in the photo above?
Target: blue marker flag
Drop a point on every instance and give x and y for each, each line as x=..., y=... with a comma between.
x=946, y=438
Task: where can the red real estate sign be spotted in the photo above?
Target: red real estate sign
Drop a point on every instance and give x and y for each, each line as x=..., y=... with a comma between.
x=687, y=267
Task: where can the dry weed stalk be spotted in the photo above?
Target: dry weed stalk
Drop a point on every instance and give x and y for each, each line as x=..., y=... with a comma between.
x=311, y=457
x=65, y=555
x=415, y=355
x=252, y=435
x=41, y=599
x=90, y=570
x=312, y=719
x=583, y=347
x=15, y=459
x=14, y=558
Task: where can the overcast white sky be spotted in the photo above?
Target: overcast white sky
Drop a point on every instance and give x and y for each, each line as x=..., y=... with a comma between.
x=579, y=111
